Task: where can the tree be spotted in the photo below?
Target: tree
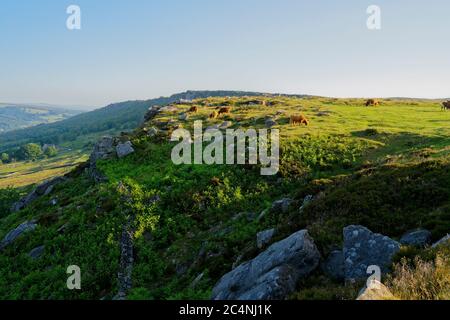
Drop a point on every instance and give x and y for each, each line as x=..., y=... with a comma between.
x=51, y=151
x=4, y=158
x=30, y=151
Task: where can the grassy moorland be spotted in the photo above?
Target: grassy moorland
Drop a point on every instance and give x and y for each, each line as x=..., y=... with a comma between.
x=385, y=167
x=25, y=173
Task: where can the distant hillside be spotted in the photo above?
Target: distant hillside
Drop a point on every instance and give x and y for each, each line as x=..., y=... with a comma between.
x=111, y=119
x=19, y=116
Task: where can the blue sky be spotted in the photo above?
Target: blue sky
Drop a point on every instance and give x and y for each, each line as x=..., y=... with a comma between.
x=139, y=49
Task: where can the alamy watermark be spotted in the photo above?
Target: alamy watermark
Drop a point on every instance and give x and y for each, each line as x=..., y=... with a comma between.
x=240, y=146
x=73, y=21
x=374, y=19
x=74, y=280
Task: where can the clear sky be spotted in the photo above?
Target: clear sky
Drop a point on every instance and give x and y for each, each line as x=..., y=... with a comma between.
x=139, y=49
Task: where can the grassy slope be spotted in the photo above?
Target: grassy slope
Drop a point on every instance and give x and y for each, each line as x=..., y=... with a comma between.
x=386, y=167
x=22, y=174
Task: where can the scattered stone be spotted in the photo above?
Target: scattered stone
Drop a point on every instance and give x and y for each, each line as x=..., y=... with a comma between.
x=152, y=112
x=270, y=123
x=273, y=274
x=249, y=216
x=152, y=132
x=263, y=238
x=444, y=240
x=41, y=190
x=306, y=201
x=323, y=113
x=183, y=116
x=333, y=266
x=124, y=149
x=103, y=149
x=419, y=238
x=375, y=291
x=363, y=248
x=263, y=214
x=36, y=253
x=213, y=127
x=197, y=280
x=17, y=232
x=170, y=109
x=282, y=205
x=226, y=125
x=54, y=202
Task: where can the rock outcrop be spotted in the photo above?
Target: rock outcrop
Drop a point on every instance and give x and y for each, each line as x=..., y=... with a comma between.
x=281, y=205
x=273, y=274
x=124, y=149
x=14, y=234
x=418, y=238
x=363, y=248
x=443, y=241
x=103, y=149
x=333, y=266
x=263, y=238
x=41, y=190
x=36, y=253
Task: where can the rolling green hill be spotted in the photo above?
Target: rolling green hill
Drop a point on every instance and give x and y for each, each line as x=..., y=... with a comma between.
x=81, y=130
x=385, y=167
x=19, y=116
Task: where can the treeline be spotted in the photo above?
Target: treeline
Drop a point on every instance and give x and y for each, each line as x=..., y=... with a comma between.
x=29, y=152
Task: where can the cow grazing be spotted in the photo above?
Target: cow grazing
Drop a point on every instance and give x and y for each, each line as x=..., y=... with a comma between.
x=372, y=102
x=224, y=110
x=193, y=109
x=214, y=115
x=299, y=119
x=445, y=105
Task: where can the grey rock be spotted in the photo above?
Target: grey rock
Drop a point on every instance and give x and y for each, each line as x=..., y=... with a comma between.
x=444, y=240
x=273, y=274
x=170, y=109
x=226, y=125
x=14, y=234
x=363, y=248
x=103, y=149
x=41, y=190
x=183, y=116
x=307, y=200
x=124, y=149
x=152, y=132
x=249, y=216
x=263, y=238
x=36, y=253
x=197, y=280
x=333, y=266
x=282, y=205
x=152, y=113
x=263, y=214
x=54, y=202
x=270, y=123
x=419, y=238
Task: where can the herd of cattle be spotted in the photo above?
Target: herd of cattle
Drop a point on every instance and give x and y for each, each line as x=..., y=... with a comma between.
x=298, y=119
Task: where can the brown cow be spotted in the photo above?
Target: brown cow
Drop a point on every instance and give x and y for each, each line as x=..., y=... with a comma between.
x=299, y=119
x=193, y=109
x=224, y=110
x=372, y=102
x=445, y=105
x=214, y=115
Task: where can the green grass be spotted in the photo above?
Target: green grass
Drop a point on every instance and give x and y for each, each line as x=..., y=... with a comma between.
x=21, y=174
x=384, y=167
